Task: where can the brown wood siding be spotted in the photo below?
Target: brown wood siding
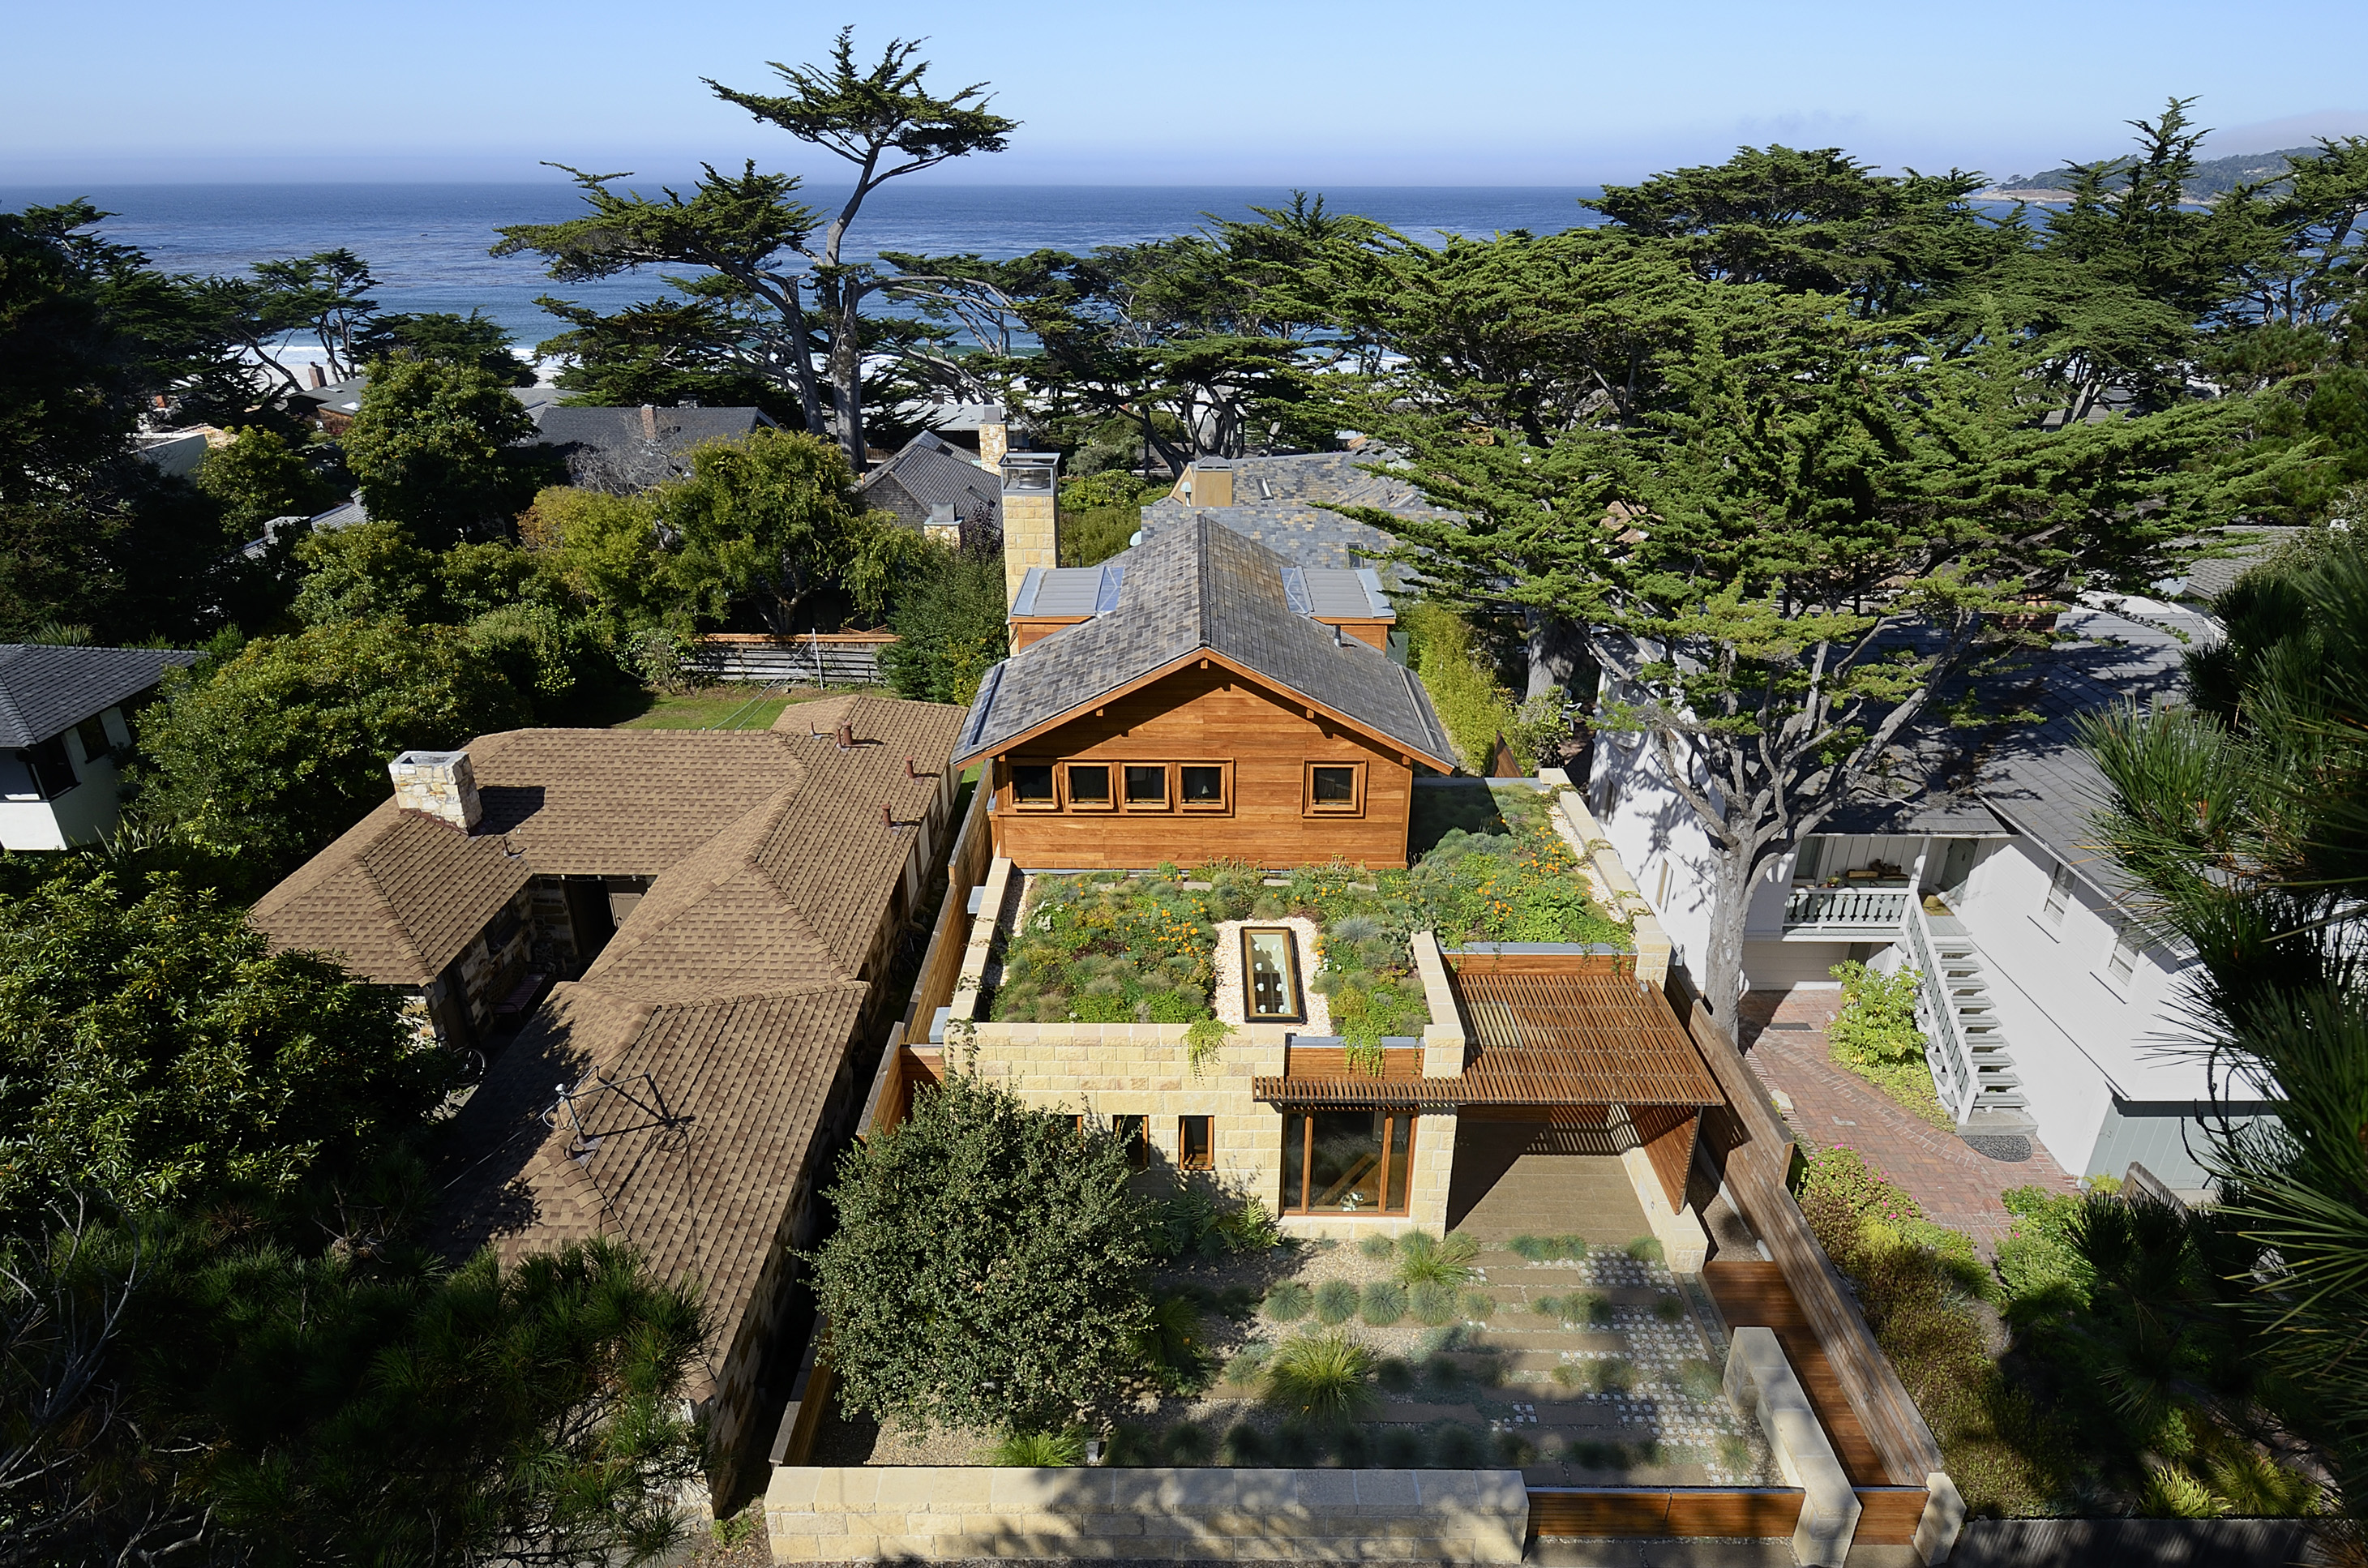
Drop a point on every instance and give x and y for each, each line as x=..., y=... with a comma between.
x=1399, y=1064
x=1210, y=715
x=1483, y=962
x=1035, y=628
x=1752, y=1294
x=1667, y=1133
x=1694, y=1512
x=942, y=960
x=1372, y=634
x=1888, y=1514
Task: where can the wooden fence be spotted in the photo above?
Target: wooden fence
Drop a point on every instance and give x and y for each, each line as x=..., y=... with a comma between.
x=834, y=658
x=1595, y=1513
x=941, y=964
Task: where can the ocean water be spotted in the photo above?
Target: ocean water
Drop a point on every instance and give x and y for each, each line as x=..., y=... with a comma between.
x=426, y=244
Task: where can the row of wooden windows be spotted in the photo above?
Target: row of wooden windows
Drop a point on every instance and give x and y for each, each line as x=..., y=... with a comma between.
x=1330, y=789
x=1333, y=1162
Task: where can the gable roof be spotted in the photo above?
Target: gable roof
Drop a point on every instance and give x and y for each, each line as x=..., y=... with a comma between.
x=628, y=450
x=930, y=471
x=1201, y=588
x=47, y=690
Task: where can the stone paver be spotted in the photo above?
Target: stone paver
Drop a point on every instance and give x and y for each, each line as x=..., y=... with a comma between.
x=1784, y=1036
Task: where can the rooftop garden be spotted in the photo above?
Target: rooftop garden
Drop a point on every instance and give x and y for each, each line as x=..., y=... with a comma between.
x=1114, y=947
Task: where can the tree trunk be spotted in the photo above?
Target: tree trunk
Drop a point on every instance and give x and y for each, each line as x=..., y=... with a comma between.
x=847, y=384
x=1722, y=958
x=1559, y=662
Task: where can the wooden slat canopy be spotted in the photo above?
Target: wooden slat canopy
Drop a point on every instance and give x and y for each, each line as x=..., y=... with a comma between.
x=1543, y=1039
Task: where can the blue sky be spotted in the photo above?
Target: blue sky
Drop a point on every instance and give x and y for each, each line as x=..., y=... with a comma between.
x=1381, y=93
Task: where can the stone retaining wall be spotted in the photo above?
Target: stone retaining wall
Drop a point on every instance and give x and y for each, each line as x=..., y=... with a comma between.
x=820, y=1515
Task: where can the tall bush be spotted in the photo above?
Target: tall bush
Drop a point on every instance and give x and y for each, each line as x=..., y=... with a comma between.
x=1875, y=1036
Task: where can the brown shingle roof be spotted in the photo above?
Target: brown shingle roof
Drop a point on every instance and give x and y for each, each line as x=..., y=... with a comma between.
x=396, y=897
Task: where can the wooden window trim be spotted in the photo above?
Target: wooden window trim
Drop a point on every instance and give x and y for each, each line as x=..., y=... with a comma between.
x=1020, y=805
x=1383, y=1208
x=1070, y=802
x=1223, y=804
x=1355, y=808
x=1207, y=1158
x=1136, y=1141
x=1166, y=803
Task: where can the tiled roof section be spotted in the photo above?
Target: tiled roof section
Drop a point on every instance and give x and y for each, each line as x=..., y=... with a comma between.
x=1276, y=501
x=2207, y=580
x=1296, y=532
x=931, y=471
x=623, y=802
x=47, y=690
x=614, y=449
x=1202, y=587
x=396, y=897
x=696, y=1162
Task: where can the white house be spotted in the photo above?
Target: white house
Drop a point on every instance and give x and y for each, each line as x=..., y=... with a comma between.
x=65, y=718
x=2045, y=1013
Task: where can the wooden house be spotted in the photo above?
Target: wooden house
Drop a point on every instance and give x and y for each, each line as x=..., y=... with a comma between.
x=1195, y=704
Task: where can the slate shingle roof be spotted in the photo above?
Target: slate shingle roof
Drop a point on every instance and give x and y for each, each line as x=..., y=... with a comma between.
x=1275, y=504
x=46, y=689
x=929, y=472
x=1202, y=587
x=2034, y=779
x=612, y=449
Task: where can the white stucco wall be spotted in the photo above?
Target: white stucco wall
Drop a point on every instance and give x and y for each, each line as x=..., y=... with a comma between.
x=83, y=813
x=1658, y=838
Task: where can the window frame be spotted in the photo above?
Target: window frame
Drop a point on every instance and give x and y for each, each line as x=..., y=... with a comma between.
x=1206, y=1158
x=1135, y=1139
x=1296, y=978
x=1223, y=804
x=1308, y=805
x=1052, y=767
x=2059, y=893
x=2121, y=961
x=1069, y=802
x=1168, y=782
x=1389, y=1204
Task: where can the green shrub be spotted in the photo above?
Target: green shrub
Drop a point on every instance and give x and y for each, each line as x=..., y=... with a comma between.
x=1644, y=1249
x=1441, y=1371
x=1614, y=1374
x=1402, y=1448
x=1733, y=1454
x=1478, y=1304
x=1514, y=1450
x=1378, y=1245
x=1288, y=1301
x=1434, y=1303
x=1426, y=1257
x=1455, y=1446
x=1548, y=1307
x=1591, y=1309
x=1322, y=1376
x=1669, y=1309
x=1336, y=1303
x=1536, y=1249
x=1382, y=1305
x=1042, y=1449
x=1393, y=1373
x=1700, y=1379
x=1244, y=1447
x=1875, y=1036
x=1186, y=1443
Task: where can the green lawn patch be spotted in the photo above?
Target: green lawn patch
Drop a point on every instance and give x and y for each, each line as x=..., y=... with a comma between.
x=709, y=708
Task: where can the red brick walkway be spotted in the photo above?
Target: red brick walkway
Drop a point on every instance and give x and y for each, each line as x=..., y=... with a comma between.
x=1784, y=1040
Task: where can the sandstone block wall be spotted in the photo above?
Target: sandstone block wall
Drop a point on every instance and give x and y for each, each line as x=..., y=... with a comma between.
x=1318, y=1515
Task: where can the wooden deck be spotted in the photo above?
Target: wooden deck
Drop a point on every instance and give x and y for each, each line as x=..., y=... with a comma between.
x=1752, y=1294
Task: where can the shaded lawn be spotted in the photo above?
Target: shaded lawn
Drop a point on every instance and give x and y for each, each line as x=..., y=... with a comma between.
x=743, y=708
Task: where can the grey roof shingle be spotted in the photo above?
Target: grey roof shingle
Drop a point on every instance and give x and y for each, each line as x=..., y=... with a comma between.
x=614, y=449
x=46, y=689
x=1201, y=587
x=927, y=473
x=1275, y=503
x=2033, y=777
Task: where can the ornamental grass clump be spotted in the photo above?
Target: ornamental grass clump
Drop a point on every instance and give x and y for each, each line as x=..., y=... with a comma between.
x=1288, y=1301
x=1324, y=1378
x=1381, y=1303
x=1042, y=1450
x=1427, y=1258
x=1434, y=1303
x=1109, y=949
x=1336, y=1303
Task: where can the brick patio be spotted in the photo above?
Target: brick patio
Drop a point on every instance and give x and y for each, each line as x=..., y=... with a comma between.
x=1785, y=1039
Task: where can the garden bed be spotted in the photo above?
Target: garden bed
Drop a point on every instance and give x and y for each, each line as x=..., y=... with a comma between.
x=1114, y=947
x=1577, y=1365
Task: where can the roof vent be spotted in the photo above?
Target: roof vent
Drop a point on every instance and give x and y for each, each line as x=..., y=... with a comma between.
x=439, y=783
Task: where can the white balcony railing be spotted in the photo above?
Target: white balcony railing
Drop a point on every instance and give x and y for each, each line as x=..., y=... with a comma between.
x=1856, y=909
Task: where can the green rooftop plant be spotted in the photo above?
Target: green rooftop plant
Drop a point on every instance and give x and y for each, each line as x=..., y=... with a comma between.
x=1393, y=1373
x=1186, y=1443
x=1335, y=1301
x=1401, y=1447
x=1669, y=1309
x=1614, y=1374
x=1383, y=1304
x=1378, y=1244
x=1645, y=1249
x=1203, y=1040
x=1591, y=1308
x=1699, y=1378
x=1322, y=1376
x=1477, y=1304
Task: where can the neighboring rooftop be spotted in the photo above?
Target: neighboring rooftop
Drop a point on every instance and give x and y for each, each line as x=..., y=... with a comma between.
x=46, y=688
x=1322, y=593
x=1276, y=502
x=928, y=472
x=1200, y=588
x=624, y=451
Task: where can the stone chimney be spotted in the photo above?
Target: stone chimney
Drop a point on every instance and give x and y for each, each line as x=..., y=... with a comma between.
x=1031, y=517
x=320, y=377
x=439, y=783
x=993, y=437
x=649, y=422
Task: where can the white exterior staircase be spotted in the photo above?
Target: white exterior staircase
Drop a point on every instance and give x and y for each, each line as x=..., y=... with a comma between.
x=1972, y=1066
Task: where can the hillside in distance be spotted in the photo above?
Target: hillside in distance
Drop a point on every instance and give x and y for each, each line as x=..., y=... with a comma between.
x=2214, y=177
